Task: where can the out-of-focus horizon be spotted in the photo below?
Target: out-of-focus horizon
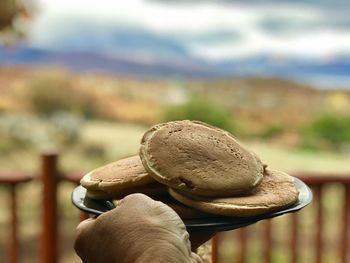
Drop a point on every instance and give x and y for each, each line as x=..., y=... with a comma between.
x=305, y=41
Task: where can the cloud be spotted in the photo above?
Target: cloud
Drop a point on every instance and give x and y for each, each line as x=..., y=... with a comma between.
x=209, y=30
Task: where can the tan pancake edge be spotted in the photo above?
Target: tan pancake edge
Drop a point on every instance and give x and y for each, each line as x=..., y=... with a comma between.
x=186, y=212
x=278, y=176
x=199, y=123
x=115, y=168
x=121, y=193
x=150, y=132
x=147, y=164
x=124, y=184
x=118, y=184
x=180, y=185
x=209, y=192
x=146, y=157
x=229, y=209
x=86, y=182
x=133, y=178
x=159, y=126
x=98, y=194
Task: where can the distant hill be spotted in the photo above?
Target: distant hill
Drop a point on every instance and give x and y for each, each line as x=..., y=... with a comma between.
x=259, y=101
x=332, y=73
x=79, y=61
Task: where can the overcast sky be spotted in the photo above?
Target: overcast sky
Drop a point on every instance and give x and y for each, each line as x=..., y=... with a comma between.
x=210, y=30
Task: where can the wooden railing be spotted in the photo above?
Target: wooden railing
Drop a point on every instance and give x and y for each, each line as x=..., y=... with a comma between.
x=50, y=178
x=242, y=240
x=11, y=180
x=316, y=247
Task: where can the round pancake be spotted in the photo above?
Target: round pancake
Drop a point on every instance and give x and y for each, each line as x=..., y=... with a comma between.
x=151, y=189
x=196, y=158
x=276, y=191
x=157, y=192
x=116, y=176
x=184, y=211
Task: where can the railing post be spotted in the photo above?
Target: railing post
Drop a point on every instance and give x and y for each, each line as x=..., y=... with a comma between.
x=268, y=241
x=344, y=241
x=319, y=223
x=215, y=249
x=13, y=244
x=294, y=238
x=49, y=176
x=11, y=180
x=242, y=237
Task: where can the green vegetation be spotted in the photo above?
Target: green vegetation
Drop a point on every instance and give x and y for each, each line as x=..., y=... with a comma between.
x=327, y=132
x=52, y=93
x=202, y=110
x=253, y=109
x=272, y=131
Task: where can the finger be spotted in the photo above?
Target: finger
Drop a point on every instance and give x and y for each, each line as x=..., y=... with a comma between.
x=85, y=224
x=134, y=199
x=138, y=204
x=83, y=230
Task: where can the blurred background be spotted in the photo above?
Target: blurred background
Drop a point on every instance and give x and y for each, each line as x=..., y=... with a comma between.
x=87, y=78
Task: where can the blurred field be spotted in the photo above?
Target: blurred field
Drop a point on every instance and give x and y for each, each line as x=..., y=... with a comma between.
x=123, y=139
x=95, y=119
x=264, y=107
x=107, y=141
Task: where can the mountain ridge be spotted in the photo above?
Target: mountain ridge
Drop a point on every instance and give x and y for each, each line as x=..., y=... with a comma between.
x=337, y=68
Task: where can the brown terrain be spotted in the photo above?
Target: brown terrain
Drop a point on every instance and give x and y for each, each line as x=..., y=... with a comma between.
x=255, y=101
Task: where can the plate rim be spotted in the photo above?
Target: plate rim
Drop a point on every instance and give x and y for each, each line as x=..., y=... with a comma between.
x=219, y=223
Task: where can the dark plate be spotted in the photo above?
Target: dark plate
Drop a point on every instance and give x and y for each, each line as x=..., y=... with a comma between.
x=219, y=223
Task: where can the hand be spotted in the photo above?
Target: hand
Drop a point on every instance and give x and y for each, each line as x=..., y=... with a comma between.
x=138, y=230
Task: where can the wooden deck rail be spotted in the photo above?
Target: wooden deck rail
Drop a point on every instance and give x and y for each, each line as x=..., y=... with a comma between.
x=12, y=180
x=50, y=177
x=317, y=182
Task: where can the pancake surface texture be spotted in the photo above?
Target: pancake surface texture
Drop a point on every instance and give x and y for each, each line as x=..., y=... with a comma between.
x=151, y=189
x=196, y=158
x=184, y=211
x=117, y=176
x=276, y=191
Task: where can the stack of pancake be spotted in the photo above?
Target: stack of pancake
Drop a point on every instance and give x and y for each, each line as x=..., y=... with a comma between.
x=198, y=170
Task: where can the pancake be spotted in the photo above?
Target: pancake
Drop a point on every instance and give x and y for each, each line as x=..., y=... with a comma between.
x=157, y=192
x=276, y=191
x=184, y=211
x=196, y=158
x=117, y=176
x=150, y=189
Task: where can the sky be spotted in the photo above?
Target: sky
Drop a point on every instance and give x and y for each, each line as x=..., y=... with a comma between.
x=207, y=30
